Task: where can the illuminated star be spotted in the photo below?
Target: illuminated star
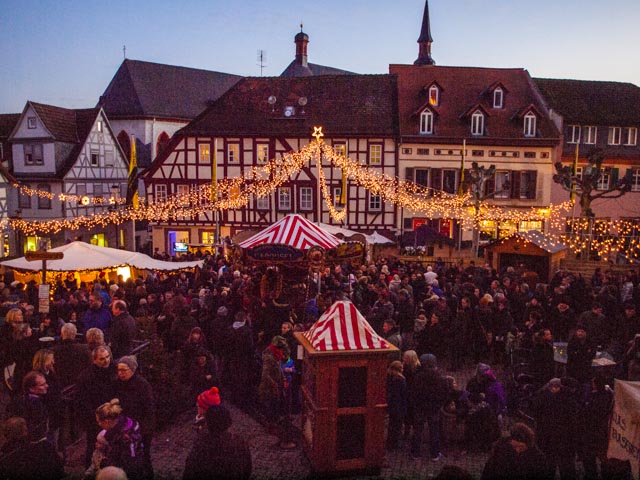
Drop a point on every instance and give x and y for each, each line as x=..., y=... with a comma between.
x=317, y=132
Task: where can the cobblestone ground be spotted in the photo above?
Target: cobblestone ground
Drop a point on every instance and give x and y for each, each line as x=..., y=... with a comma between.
x=171, y=447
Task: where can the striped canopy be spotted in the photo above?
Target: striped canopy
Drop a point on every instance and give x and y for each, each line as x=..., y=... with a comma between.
x=293, y=230
x=343, y=327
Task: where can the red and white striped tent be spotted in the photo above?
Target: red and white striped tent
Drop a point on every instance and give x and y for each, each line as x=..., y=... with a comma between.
x=293, y=230
x=343, y=327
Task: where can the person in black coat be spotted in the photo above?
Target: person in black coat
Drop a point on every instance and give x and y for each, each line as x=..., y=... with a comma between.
x=429, y=393
x=593, y=428
x=217, y=453
x=95, y=386
x=20, y=459
x=71, y=356
x=123, y=330
x=542, y=358
x=136, y=398
x=516, y=457
x=397, y=402
x=580, y=353
x=555, y=412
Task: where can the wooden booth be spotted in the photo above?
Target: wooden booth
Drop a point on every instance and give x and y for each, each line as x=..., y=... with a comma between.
x=344, y=392
x=538, y=253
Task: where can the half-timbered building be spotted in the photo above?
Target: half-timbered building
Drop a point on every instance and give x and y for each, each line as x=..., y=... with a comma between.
x=258, y=121
x=496, y=113
x=56, y=152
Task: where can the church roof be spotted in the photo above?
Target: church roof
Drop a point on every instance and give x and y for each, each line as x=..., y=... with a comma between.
x=146, y=89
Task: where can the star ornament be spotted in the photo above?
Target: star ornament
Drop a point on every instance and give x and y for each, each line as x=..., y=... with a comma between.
x=317, y=133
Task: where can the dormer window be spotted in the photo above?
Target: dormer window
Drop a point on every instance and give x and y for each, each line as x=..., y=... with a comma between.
x=530, y=125
x=426, y=122
x=477, y=123
x=498, y=98
x=434, y=95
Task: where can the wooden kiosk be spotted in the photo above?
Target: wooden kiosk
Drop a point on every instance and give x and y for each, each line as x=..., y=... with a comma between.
x=344, y=392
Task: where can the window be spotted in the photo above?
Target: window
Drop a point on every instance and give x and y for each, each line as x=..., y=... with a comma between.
x=262, y=203
x=604, y=180
x=306, y=198
x=31, y=123
x=33, y=154
x=95, y=158
x=233, y=153
x=528, y=180
x=449, y=181
x=284, y=198
x=635, y=180
x=340, y=149
x=182, y=191
x=375, y=154
x=574, y=134
x=590, y=134
x=99, y=125
x=434, y=94
x=502, y=187
x=615, y=135
x=337, y=195
x=44, y=202
x=498, y=97
x=477, y=123
x=632, y=136
x=162, y=142
x=204, y=153
x=161, y=193
x=108, y=158
x=24, y=201
x=262, y=153
x=422, y=177
x=529, y=125
x=81, y=189
x=208, y=237
x=375, y=202
x=426, y=122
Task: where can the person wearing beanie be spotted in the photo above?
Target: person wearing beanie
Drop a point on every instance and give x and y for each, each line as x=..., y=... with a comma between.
x=208, y=398
x=516, y=456
x=136, y=398
x=216, y=452
x=428, y=394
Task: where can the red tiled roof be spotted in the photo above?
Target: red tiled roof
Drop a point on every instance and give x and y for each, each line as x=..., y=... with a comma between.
x=461, y=89
x=589, y=102
x=346, y=105
x=296, y=70
x=145, y=89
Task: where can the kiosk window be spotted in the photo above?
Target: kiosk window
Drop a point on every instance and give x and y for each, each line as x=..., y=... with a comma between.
x=352, y=387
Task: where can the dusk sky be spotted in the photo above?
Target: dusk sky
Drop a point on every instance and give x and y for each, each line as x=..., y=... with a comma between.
x=65, y=52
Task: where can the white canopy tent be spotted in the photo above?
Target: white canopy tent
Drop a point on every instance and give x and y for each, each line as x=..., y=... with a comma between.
x=80, y=256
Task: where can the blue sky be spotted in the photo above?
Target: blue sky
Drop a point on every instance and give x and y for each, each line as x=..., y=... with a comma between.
x=65, y=52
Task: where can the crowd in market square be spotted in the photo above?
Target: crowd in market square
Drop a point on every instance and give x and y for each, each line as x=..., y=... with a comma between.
x=229, y=331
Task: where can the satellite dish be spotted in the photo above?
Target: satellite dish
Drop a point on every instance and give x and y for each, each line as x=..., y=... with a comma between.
x=271, y=100
x=302, y=101
x=288, y=111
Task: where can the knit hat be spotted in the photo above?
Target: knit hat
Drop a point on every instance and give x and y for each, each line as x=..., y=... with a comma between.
x=218, y=419
x=130, y=361
x=223, y=311
x=482, y=368
x=554, y=382
x=428, y=360
x=114, y=287
x=209, y=398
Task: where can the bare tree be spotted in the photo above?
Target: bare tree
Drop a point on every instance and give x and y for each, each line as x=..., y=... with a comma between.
x=476, y=179
x=589, y=186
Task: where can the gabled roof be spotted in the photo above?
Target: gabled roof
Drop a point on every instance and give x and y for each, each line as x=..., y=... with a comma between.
x=8, y=122
x=293, y=230
x=539, y=239
x=590, y=102
x=66, y=125
x=345, y=105
x=295, y=69
x=146, y=89
x=464, y=88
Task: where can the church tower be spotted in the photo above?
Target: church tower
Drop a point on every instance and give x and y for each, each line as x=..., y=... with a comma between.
x=425, y=40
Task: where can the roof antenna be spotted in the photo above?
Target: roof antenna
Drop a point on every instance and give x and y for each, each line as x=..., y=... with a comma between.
x=124, y=51
x=262, y=58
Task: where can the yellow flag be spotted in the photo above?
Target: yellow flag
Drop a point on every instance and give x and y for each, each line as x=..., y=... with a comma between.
x=132, y=183
x=343, y=190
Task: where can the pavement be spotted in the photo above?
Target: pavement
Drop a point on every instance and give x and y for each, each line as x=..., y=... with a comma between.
x=171, y=447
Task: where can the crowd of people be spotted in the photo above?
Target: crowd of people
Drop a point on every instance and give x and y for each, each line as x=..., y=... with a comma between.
x=230, y=327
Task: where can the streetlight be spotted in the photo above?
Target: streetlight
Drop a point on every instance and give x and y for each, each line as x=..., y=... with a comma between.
x=115, y=200
x=17, y=216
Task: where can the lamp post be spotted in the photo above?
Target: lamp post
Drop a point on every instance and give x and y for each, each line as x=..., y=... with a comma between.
x=16, y=216
x=115, y=200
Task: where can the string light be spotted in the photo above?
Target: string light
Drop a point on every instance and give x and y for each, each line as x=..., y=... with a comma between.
x=607, y=238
